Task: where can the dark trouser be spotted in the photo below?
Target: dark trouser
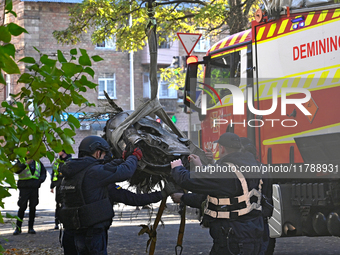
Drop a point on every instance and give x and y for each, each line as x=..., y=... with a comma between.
x=265, y=239
x=58, y=205
x=236, y=237
x=91, y=244
x=68, y=243
x=25, y=195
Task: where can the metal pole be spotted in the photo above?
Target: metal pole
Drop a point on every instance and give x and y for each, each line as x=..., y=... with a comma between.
x=189, y=124
x=132, y=84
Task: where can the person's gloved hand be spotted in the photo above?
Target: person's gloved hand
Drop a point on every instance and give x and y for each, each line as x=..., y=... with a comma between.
x=210, y=156
x=128, y=150
x=124, y=154
x=177, y=162
x=195, y=160
x=169, y=189
x=176, y=197
x=138, y=153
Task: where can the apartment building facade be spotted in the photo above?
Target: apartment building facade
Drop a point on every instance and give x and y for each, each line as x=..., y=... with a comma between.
x=41, y=17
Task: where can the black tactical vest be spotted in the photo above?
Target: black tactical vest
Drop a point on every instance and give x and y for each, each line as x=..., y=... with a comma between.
x=75, y=213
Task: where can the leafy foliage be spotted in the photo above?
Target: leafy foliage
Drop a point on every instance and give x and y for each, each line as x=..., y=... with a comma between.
x=31, y=124
x=176, y=76
x=111, y=19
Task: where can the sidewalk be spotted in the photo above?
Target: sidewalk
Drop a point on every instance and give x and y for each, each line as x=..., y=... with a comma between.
x=123, y=234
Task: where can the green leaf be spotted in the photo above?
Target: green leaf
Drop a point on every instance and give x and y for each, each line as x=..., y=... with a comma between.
x=47, y=61
x=25, y=91
x=13, y=13
x=9, y=66
x=69, y=132
x=16, y=30
x=73, y=52
x=9, y=49
x=49, y=137
x=25, y=78
x=21, y=151
x=29, y=60
x=36, y=49
x=43, y=126
x=83, y=80
x=56, y=116
x=28, y=122
x=2, y=79
x=50, y=156
x=71, y=69
x=8, y=5
x=5, y=35
x=68, y=148
x=97, y=58
x=61, y=57
x=73, y=120
x=91, y=85
x=84, y=59
x=89, y=71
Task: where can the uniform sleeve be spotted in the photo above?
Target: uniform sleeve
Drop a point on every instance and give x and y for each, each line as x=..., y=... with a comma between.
x=129, y=198
x=116, y=162
x=118, y=173
x=208, y=186
x=193, y=199
x=19, y=167
x=42, y=177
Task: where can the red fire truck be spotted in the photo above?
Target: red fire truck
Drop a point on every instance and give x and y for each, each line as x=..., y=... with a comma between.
x=278, y=84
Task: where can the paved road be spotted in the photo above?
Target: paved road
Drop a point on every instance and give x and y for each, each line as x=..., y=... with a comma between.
x=124, y=239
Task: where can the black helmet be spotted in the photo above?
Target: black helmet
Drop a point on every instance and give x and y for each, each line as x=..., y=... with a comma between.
x=92, y=143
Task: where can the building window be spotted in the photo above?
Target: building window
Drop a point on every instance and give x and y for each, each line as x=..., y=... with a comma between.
x=165, y=44
x=203, y=44
x=108, y=44
x=8, y=87
x=107, y=82
x=146, y=86
x=164, y=92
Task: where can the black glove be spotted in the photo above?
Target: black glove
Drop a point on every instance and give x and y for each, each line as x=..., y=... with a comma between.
x=128, y=151
x=138, y=153
x=168, y=189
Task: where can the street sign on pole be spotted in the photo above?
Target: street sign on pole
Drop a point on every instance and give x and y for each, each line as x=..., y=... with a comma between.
x=189, y=41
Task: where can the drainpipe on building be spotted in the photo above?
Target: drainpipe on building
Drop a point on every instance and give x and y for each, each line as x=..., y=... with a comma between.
x=132, y=85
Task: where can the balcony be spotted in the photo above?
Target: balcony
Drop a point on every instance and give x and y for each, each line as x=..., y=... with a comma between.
x=164, y=54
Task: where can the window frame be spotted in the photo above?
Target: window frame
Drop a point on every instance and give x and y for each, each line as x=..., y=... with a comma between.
x=105, y=79
x=105, y=47
x=175, y=96
x=203, y=42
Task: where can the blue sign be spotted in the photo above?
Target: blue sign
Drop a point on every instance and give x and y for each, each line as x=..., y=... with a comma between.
x=82, y=116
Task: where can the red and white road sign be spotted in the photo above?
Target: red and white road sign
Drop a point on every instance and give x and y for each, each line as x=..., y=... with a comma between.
x=189, y=41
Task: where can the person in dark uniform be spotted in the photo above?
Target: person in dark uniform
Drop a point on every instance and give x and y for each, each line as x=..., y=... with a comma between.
x=84, y=191
x=119, y=195
x=31, y=175
x=232, y=208
x=88, y=187
x=56, y=178
x=267, y=194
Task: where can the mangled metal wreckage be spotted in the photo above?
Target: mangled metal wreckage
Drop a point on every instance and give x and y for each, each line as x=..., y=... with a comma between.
x=128, y=129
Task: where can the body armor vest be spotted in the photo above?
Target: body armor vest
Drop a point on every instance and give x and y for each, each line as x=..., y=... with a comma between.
x=26, y=174
x=75, y=213
x=233, y=207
